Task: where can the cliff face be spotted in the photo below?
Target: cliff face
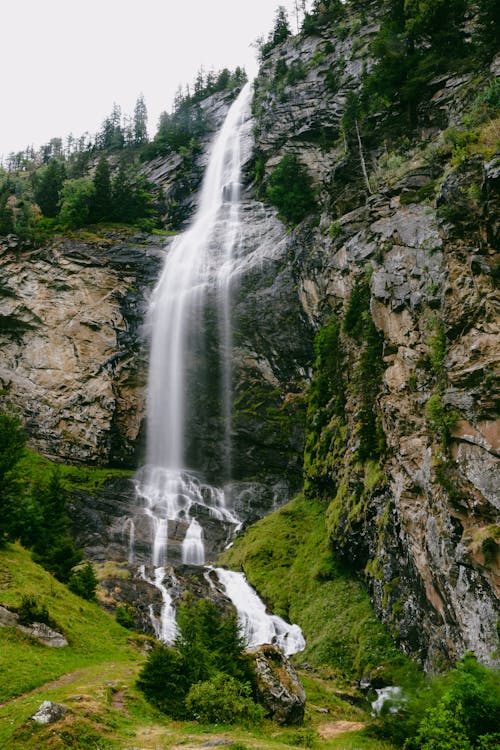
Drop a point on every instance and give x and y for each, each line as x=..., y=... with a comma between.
x=72, y=354
x=395, y=276
x=404, y=447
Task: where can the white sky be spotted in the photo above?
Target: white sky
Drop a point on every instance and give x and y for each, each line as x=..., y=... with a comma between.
x=63, y=63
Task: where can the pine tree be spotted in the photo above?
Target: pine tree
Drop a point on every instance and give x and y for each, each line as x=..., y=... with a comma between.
x=12, y=443
x=140, y=122
x=101, y=206
x=47, y=186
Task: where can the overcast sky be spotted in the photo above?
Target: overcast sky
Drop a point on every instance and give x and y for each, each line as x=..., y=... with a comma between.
x=64, y=63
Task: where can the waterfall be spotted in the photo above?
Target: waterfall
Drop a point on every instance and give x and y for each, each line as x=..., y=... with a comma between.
x=189, y=385
x=197, y=269
x=258, y=625
x=195, y=282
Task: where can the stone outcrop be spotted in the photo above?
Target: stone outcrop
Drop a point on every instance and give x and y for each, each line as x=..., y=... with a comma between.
x=49, y=712
x=73, y=362
x=278, y=686
x=38, y=630
x=421, y=527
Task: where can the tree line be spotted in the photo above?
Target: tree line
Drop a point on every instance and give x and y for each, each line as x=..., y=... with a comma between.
x=35, y=513
x=86, y=180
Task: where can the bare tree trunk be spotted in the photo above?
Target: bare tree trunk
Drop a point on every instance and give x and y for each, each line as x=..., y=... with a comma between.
x=362, y=160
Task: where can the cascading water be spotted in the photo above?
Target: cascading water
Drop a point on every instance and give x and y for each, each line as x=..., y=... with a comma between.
x=258, y=625
x=190, y=323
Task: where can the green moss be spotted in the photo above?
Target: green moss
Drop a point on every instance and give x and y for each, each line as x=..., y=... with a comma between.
x=373, y=568
x=35, y=468
x=437, y=347
x=441, y=419
x=287, y=557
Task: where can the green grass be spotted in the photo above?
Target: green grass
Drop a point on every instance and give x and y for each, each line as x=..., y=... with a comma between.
x=94, y=677
x=286, y=556
x=94, y=637
x=35, y=468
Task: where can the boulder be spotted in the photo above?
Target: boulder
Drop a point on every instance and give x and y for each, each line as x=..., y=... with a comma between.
x=278, y=685
x=49, y=713
x=44, y=634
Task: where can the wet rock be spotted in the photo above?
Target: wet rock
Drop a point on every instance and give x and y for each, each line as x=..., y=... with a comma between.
x=49, y=713
x=278, y=685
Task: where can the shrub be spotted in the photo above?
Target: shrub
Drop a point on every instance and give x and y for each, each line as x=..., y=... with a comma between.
x=124, y=616
x=457, y=711
x=83, y=582
x=289, y=188
x=441, y=419
x=224, y=700
x=31, y=610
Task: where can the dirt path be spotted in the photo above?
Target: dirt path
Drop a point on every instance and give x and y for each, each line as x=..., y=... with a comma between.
x=333, y=728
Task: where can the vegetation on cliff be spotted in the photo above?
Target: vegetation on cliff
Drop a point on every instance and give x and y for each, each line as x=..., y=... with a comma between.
x=82, y=181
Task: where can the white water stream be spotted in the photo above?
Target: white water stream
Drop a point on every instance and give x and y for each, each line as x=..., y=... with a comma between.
x=196, y=277
x=257, y=625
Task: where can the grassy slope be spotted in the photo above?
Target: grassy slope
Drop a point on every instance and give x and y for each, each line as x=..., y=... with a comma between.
x=36, y=468
x=287, y=558
x=93, y=636
x=94, y=677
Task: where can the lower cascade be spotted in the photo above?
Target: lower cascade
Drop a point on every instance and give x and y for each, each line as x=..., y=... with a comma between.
x=257, y=625
x=189, y=384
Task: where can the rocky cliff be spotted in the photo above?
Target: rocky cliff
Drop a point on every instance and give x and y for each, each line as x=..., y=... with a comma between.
x=393, y=277
x=398, y=274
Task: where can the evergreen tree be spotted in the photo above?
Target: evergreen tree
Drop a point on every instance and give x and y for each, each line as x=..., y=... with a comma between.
x=209, y=643
x=417, y=40
x=140, y=122
x=83, y=582
x=289, y=188
x=7, y=224
x=47, y=186
x=54, y=548
x=12, y=444
x=487, y=33
x=101, y=205
x=281, y=29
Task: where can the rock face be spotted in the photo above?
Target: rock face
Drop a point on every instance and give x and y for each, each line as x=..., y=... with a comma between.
x=400, y=270
x=404, y=449
x=72, y=351
x=278, y=686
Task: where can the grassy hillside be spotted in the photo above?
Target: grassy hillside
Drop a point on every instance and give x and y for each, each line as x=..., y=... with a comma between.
x=93, y=636
x=94, y=677
x=287, y=558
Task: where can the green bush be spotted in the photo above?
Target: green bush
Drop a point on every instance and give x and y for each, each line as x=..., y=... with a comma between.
x=289, y=188
x=83, y=582
x=31, y=610
x=124, y=616
x=457, y=711
x=440, y=419
x=223, y=700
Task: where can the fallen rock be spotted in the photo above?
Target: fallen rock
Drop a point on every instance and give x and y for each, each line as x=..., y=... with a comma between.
x=49, y=712
x=44, y=634
x=8, y=618
x=278, y=685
